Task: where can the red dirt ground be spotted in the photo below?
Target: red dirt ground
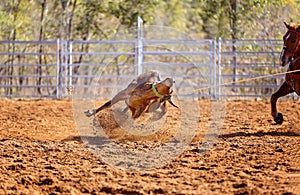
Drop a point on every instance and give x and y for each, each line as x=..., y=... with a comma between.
x=41, y=153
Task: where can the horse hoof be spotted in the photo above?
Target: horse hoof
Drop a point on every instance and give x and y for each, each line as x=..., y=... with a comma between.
x=279, y=119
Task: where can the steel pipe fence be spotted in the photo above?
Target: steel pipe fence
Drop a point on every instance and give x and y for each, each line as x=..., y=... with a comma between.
x=29, y=69
x=249, y=68
x=201, y=68
x=115, y=64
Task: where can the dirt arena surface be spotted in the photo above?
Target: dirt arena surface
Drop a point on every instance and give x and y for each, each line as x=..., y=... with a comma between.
x=41, y=153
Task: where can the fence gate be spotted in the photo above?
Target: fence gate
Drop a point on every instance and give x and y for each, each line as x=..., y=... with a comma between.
x=101, y=68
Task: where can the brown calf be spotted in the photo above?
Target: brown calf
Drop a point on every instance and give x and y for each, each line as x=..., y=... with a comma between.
x=150, y=96
x=143, y=92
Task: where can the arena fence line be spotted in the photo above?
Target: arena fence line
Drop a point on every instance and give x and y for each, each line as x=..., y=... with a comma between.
x=206, y=68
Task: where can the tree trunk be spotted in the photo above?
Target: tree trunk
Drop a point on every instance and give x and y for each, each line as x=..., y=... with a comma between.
x=233, y=21
x=41, y=48
x=10, y=70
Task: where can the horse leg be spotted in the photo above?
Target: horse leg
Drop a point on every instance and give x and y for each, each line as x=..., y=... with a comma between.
x=284, y=89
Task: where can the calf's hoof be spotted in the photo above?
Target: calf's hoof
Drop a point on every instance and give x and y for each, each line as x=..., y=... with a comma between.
x=89, y=113
x=279, y=119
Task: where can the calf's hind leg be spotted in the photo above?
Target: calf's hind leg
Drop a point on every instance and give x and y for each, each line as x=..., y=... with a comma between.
x=284, y=89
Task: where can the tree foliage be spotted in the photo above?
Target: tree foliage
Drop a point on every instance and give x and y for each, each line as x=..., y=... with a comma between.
x=97, y=19
x=254, y=18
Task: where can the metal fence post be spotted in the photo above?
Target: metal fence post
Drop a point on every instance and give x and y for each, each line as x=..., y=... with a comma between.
x=139, y=47
x=213, y=52
x=57, y=68
x=70, y=64
x=234, y=63
x=63, y=74
x=219, y=67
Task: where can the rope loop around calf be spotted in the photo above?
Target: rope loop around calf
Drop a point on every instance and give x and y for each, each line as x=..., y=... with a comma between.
x=156, y=92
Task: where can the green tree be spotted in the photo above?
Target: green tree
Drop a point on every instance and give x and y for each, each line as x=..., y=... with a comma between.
x=246, y=18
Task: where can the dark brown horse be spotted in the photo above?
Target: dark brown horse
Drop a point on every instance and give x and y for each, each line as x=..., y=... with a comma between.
x=290, y=55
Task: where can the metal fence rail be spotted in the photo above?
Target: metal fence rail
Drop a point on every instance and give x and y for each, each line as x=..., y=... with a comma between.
x=111, y=65
x=29, y=69
x=241, y=60
x=201, y=68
